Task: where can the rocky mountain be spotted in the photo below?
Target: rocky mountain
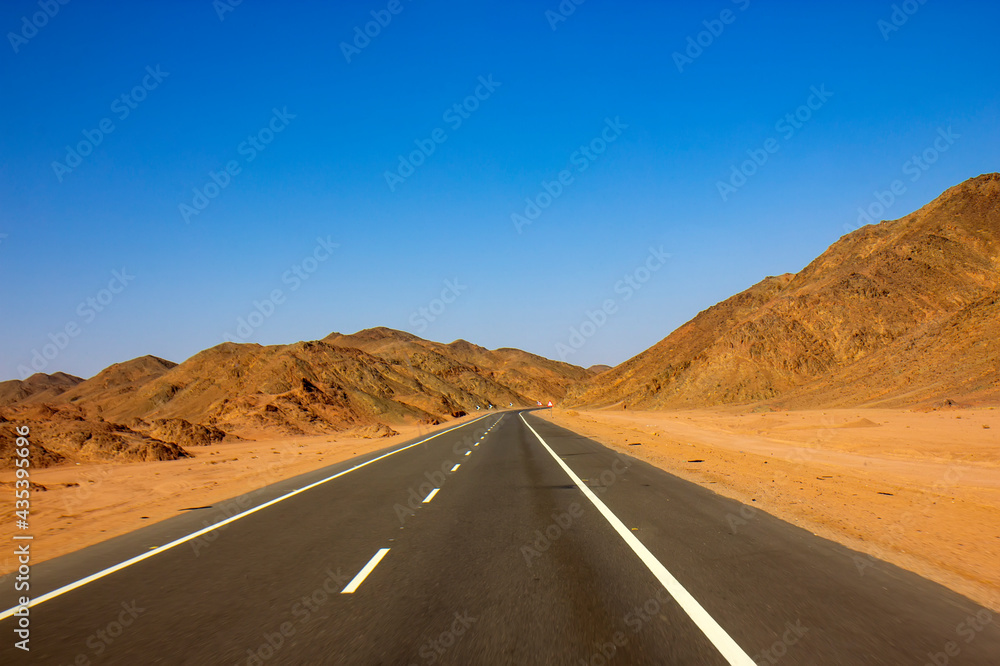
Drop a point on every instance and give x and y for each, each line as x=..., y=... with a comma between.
x=66, y=433
x=108, y=387
x=38, y=386
x=361, y=383
x=893, y=314
x=902, y=313
x=523, y=377
x=376, y=376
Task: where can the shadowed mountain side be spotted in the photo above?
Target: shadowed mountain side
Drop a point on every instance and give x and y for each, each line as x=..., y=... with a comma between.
x=64, y=433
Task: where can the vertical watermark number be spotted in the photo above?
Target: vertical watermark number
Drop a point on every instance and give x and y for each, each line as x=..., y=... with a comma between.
x=22, y=541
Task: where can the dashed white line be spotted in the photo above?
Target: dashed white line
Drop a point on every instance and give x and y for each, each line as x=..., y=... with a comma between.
x=430, y=495
x=722, y=641
x=194, y=535
x=468, y=453
x=456, y=467
x=360, y=578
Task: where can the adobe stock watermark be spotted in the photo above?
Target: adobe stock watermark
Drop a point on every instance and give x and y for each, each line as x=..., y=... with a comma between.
x=301, y=611
x=579, y=161
x=561, y=522
x=798, y=455
x=914, y=168
x=90, y=481
x=897, y=530
x=778, y=649
x=901, y=13
x=454, y=116
x=968, y=629
x=122, y=106
x=787, y=126
x=101, y=640
x=425, y=315
x=381, y=18
x=714, y=28
x=86, y=485
x=562, y=12
x=223, y=511
x=249, y=149
x=31, y=25
x=432, y=650
x=269, y=474
x=86, y=313
x=436, y=478
x=636, y=619
x=627, y=286
x=294, y=277
x=223, y=7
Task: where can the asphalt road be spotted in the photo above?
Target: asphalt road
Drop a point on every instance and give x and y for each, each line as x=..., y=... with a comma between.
x=562, y=552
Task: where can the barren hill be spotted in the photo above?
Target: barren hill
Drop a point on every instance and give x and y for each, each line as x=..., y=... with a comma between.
x=65, y=433
x=109, y=385
x=362, y=382
x=893, y=314
x=526, y=375
x=38, y=385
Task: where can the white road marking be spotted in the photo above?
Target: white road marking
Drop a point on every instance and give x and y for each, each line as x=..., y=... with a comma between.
x=456, y=467
x=430, y=495
x=732, y=652
x=360, y=578
x=194, y=535
x=468, y=453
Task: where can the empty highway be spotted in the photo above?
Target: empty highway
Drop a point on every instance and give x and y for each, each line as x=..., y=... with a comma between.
x=506, y=540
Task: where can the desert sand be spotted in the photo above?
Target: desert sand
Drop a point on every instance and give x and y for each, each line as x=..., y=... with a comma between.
x=920, y=490
x=892, y=484
x=87, y=503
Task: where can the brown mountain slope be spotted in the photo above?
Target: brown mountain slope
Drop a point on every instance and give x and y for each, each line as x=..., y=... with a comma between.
x=891, y=314
x=109, y=385
x=39, y=384
x=64, y=433
x=956, y=357
x=527, y=375
x=377, y=376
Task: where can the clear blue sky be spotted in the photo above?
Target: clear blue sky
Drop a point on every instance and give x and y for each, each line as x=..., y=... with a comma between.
x=66, y=228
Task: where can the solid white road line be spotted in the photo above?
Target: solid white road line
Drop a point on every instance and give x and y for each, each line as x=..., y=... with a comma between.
x=194, y=535
x=456, y=467
x=360, y=578
x=430, y=495
x=732, y=652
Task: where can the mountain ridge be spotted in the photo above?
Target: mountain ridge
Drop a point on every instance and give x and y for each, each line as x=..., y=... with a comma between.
x=150, y=408
x=879, y=286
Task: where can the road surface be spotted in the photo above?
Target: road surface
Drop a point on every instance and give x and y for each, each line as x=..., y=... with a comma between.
x=538, y=546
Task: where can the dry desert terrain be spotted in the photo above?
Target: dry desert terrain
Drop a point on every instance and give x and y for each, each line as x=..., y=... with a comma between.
x=918, y=489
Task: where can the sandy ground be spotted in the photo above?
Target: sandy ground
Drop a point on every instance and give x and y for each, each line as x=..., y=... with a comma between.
x=89, y=503
x=919, y=490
